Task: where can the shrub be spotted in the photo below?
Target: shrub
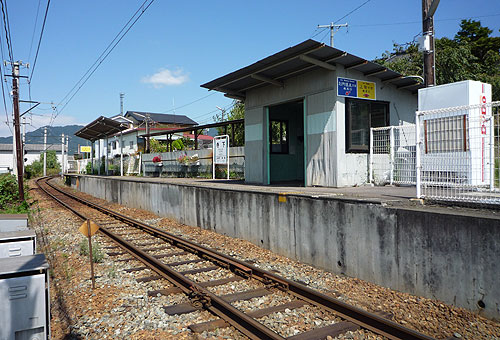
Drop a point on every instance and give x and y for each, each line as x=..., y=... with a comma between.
x=97, y=253
x=9, y=196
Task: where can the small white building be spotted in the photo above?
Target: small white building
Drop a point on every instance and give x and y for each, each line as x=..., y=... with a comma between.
x=309, y=110
x=32, y=153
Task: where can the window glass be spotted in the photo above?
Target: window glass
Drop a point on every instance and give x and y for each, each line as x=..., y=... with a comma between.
x=360, y=112
x=361, y=115
x=278, y=133
x=131, y=144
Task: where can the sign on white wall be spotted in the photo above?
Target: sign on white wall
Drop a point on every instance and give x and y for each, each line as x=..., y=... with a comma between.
x=356, y=88
x=221, y=152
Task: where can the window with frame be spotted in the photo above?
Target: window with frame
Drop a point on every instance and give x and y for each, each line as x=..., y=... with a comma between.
x=131, y=144
x=361, y=115
x=278, y=136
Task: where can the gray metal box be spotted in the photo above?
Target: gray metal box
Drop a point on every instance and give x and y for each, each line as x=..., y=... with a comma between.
x=24, y=296
x=13, y=222
x=17, y=243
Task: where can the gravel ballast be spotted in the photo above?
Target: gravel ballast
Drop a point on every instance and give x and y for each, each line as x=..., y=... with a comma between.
x=119, y=307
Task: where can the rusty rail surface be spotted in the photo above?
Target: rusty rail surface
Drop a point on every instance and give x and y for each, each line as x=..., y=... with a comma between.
x=241, y=321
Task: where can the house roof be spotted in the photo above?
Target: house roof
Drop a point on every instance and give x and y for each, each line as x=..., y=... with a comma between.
x=200, y=137
x=100, y=128
x=32, y=147
x=298, y=59
x=161, y=118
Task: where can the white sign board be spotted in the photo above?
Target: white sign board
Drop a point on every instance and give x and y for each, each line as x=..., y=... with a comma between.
x=221, y=149
x=221, y=152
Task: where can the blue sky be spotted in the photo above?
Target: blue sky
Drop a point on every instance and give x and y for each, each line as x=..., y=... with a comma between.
x=178, y=45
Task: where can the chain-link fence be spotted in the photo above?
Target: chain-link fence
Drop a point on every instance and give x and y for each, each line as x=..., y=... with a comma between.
x=392, y=155
x=458, y=153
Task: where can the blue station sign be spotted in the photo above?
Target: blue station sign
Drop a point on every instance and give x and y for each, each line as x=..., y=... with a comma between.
x=347, y=87
x=356, y=88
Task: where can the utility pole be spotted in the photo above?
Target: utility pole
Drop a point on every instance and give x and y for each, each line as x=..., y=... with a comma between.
x=17, y=129
x=222, y=112
x=428, y=9
x=121, y=102
x=24, y=139
x=147, y=132
x=62, y=155
x=45, y=151
x=67, y=153
x=334, y=28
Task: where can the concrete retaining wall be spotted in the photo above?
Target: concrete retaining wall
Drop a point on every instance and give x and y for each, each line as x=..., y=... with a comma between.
x=449, y=256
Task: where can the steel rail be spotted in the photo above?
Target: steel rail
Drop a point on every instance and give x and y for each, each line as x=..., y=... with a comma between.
x=364, y=319
x=199, y=295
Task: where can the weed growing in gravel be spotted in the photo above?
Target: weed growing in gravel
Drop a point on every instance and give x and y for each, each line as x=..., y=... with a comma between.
x=112, y=271
x=97, y=253
x=68, y=269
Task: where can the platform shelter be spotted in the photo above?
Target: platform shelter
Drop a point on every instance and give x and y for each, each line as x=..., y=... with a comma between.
x=309, y=110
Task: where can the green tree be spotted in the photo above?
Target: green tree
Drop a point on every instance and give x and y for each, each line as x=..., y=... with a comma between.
x=471, y=54
x=35, y=169
x=237, y=112
x=157, y=146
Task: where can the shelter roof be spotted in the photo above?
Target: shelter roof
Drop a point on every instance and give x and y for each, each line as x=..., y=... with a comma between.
x=160, y=118
x=299, y=59
x=100, y=128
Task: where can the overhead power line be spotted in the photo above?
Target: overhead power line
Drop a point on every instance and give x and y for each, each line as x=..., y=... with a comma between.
x=194, y=101
x=6, y=27
x=39, y=40
x=34, y=29
x=354, y=10
x=126, y=28
x=420, y=22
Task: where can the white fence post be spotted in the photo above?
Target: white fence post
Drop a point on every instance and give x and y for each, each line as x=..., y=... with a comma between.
x=492, y=151
x=418, y=164
x=370, y=165
x=391, y=143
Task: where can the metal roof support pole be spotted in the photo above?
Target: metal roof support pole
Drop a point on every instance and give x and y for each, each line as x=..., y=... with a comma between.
x=91, y=158
x=121, y=153
x=195, y=139
x=106, y=157
x=232, y=143
x=99, y=157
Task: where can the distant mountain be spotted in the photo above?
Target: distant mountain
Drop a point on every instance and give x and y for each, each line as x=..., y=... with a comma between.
x=53, y=137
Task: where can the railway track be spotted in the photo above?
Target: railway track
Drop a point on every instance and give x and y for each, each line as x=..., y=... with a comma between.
x=176, y=260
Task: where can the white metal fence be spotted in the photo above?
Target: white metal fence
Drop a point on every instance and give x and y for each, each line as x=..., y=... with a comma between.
x=458, y=155
x=392, y=155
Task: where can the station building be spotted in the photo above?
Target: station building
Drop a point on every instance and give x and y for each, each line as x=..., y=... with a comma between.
x=309, y=110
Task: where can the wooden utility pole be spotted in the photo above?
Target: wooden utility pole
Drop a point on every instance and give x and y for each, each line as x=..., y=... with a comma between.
x=17, y=129
x=428, y=9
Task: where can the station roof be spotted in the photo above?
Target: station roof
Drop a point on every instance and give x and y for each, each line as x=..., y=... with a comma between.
x=299, y=59
x=100, y=128
x=160, y=118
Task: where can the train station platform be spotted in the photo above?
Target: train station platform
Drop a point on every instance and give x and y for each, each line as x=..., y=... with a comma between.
x=379, y=234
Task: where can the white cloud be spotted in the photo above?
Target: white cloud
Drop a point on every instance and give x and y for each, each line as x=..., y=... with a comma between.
x=166, y=77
